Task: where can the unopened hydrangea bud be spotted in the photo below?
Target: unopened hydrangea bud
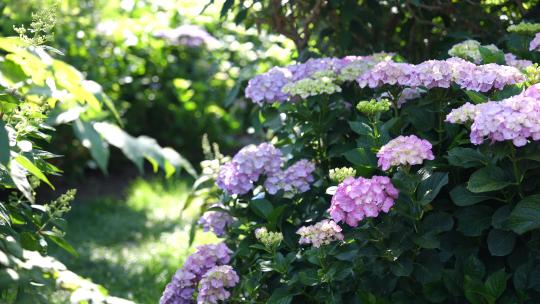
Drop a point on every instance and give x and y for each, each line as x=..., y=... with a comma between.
x=373, y=106
x=532, y=73
x=322, y=233
x=338, y=175
x=268, y=238
x=468, y=50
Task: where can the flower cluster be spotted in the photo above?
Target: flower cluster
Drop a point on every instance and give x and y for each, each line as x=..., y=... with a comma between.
x=296, y=178
x=247, y=166
x=187, y=35
x=238, y=175
x=321, y=233
x=268, y=238
x=216, y=221
x=373, y=106
x=279, y=84
x=516, y=118
x=513, y=61
x=404, y=150
x=441, y=74
x=524, y=28
x=362, y=197
x=184, y=282
x=470, y=50
x=535, y=43
x=338, y=175
x=213, y=284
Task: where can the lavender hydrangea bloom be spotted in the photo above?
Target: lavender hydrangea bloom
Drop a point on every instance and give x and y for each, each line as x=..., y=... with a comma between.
x=516, y=118
x=267, y=87
x=296, y=178
x=183, y=284
x=321, y=233
x=216, y=221
x=357, y=198
x=513, y=61
x=535, y=43
x=404, y=150
x=214, y=283
x=408, y=94
x=238, y=175
x=188, y=35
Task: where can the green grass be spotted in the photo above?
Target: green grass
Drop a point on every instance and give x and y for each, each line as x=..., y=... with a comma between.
x=132, y=247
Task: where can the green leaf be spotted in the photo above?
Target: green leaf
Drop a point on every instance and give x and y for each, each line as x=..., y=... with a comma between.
x=474, y=268
x=473, y=220
x=476, y=97
x=437, y=222
x=498, y=220
x=427, y=267
x=526, y=215
x=430, y=186
x=226, y=7
x=491, y=56
x=475, y=292
x=361, y=128
x=496, y=284
x=466, y=158
x=4, y=145
x=18, y=175
x=361, y=157
x=488, y=179
x=308, y=277
x=91, y=140
x=280, y=296
x=463, y=197
x=500, y=242
x=262, y=208
x=60, y=241
x=402, y=267
x=28, y=165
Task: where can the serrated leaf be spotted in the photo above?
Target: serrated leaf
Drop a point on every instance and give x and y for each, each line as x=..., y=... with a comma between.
x=500, y=242
x=261, y=207
x=526, y=215
x=30, y=167
x=488, y=179
x=463, y=197
x=430, y=186
x=466, y=158
x=496, y=284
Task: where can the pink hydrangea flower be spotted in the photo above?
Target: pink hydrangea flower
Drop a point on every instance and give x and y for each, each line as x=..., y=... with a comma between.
x=513, y=61
x=321, y=233
x=535, y=43
x=404, y=150
x=357, y=198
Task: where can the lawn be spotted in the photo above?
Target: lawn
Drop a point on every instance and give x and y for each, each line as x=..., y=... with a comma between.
x=132, y=246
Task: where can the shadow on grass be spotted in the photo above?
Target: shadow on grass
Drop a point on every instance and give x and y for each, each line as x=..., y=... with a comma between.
x=132, y=247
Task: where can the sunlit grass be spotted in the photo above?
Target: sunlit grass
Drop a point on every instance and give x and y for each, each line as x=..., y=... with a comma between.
x=132, y=247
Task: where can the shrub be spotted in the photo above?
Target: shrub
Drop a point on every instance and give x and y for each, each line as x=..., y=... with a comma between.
x=423, y=187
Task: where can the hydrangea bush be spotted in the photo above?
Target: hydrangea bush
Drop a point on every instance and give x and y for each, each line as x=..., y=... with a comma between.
x=382, y=181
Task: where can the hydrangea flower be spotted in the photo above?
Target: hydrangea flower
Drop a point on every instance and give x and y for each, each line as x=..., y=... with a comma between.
x=535, y=43
x=468, y=49
x=516, y=118
x=404, y=150
x=386, y=72
x=238, y=175
x=321, y=82
x=268, y=238
x=188, y=35
x=297, y=178
x=214, y=283
x=216, y=221
x=358, y=198
x=268, y=87
x=321, y=233
x=340, y=174
x=513, y=61
x=408, y=94
x=184, y=282
x=373, y=106
x=463, y=114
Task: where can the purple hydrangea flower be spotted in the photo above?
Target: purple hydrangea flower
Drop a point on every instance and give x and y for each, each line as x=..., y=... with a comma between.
x=357, y=198
x=296, y=178
x=214, y=283
x=513, y=61
x=188, y=35
x=535, y=43
x=404, y=150
x=238, y=175
x=408, y=94
x=184, y=282
x=216, y=221
x=321, y=233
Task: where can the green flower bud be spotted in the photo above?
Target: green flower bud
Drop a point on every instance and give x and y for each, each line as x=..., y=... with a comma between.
x=373, y=106
x=269, y=239
x=322, y=82
x=532, y=73
x=338, y=175
x=524, y=28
